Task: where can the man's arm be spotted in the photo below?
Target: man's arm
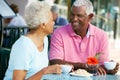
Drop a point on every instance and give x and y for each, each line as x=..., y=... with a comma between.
x=76, y=65
x=101, y=69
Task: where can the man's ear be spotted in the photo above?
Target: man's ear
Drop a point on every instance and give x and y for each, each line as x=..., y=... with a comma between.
x=91, y=16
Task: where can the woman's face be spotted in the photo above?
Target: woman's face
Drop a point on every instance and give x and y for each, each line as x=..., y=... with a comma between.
x=50, y=24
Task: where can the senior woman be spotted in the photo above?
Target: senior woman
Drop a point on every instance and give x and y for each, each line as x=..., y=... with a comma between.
x=29, y=58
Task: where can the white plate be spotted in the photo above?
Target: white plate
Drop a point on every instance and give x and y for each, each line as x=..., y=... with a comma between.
x=82, y=75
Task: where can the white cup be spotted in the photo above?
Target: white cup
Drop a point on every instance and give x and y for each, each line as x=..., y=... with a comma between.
x=110, y=65
x=66, y=68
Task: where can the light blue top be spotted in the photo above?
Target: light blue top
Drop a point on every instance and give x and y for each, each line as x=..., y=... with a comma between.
x=25, y=56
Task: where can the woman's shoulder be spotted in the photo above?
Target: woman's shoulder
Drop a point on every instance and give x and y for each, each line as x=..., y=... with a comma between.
x=23, y=41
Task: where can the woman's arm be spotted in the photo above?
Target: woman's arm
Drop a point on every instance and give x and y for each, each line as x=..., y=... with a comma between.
x=76, y=65
x=19, y=74
x=47, y=70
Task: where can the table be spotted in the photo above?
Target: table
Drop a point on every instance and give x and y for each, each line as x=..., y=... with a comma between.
x=69, y=77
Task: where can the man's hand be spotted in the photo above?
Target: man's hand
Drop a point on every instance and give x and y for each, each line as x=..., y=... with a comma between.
x=114, y=71
x=101, y=70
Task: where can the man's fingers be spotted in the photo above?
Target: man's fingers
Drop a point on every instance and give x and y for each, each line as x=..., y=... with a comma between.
x=101, y=71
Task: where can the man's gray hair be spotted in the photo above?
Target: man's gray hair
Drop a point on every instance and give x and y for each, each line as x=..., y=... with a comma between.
x=87, y=3
x=55, y=9
x=37, y=13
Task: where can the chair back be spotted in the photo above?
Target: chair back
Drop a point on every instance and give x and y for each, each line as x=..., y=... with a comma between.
x=4, y=59
x=11, y=34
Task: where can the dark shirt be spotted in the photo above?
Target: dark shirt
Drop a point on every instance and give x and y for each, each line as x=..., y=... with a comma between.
x=61, y=21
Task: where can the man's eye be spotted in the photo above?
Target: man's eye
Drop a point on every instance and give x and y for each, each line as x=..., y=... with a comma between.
x=80, y=16
x=72, y=14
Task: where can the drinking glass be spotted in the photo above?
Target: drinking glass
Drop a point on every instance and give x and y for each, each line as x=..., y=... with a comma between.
x=92, y=68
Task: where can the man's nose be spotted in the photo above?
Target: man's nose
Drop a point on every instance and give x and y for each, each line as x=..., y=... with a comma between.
x=75, y=18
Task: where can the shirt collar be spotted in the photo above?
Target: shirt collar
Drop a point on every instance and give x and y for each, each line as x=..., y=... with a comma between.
x=88, y=33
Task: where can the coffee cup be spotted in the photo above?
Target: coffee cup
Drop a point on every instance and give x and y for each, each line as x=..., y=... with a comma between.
x=66, y=68
x=110, y=65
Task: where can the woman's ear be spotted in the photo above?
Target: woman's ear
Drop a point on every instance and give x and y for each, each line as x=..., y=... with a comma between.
x=44, y=25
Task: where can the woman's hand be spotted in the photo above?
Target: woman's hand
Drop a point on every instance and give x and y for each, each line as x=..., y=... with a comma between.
x=53, y=69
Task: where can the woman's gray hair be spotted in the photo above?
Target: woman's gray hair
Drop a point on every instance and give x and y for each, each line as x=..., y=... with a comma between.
x=37, y=13
x=87, y=3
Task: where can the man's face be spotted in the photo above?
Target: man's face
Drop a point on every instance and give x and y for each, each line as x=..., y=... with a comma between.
x=55, y=15
x=79, y=18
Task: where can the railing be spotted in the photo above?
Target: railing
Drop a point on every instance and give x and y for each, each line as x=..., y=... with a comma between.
x=11, y=34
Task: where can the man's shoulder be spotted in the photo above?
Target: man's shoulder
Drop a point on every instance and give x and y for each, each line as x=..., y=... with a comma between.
x=97, y=29
x=99, y=33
